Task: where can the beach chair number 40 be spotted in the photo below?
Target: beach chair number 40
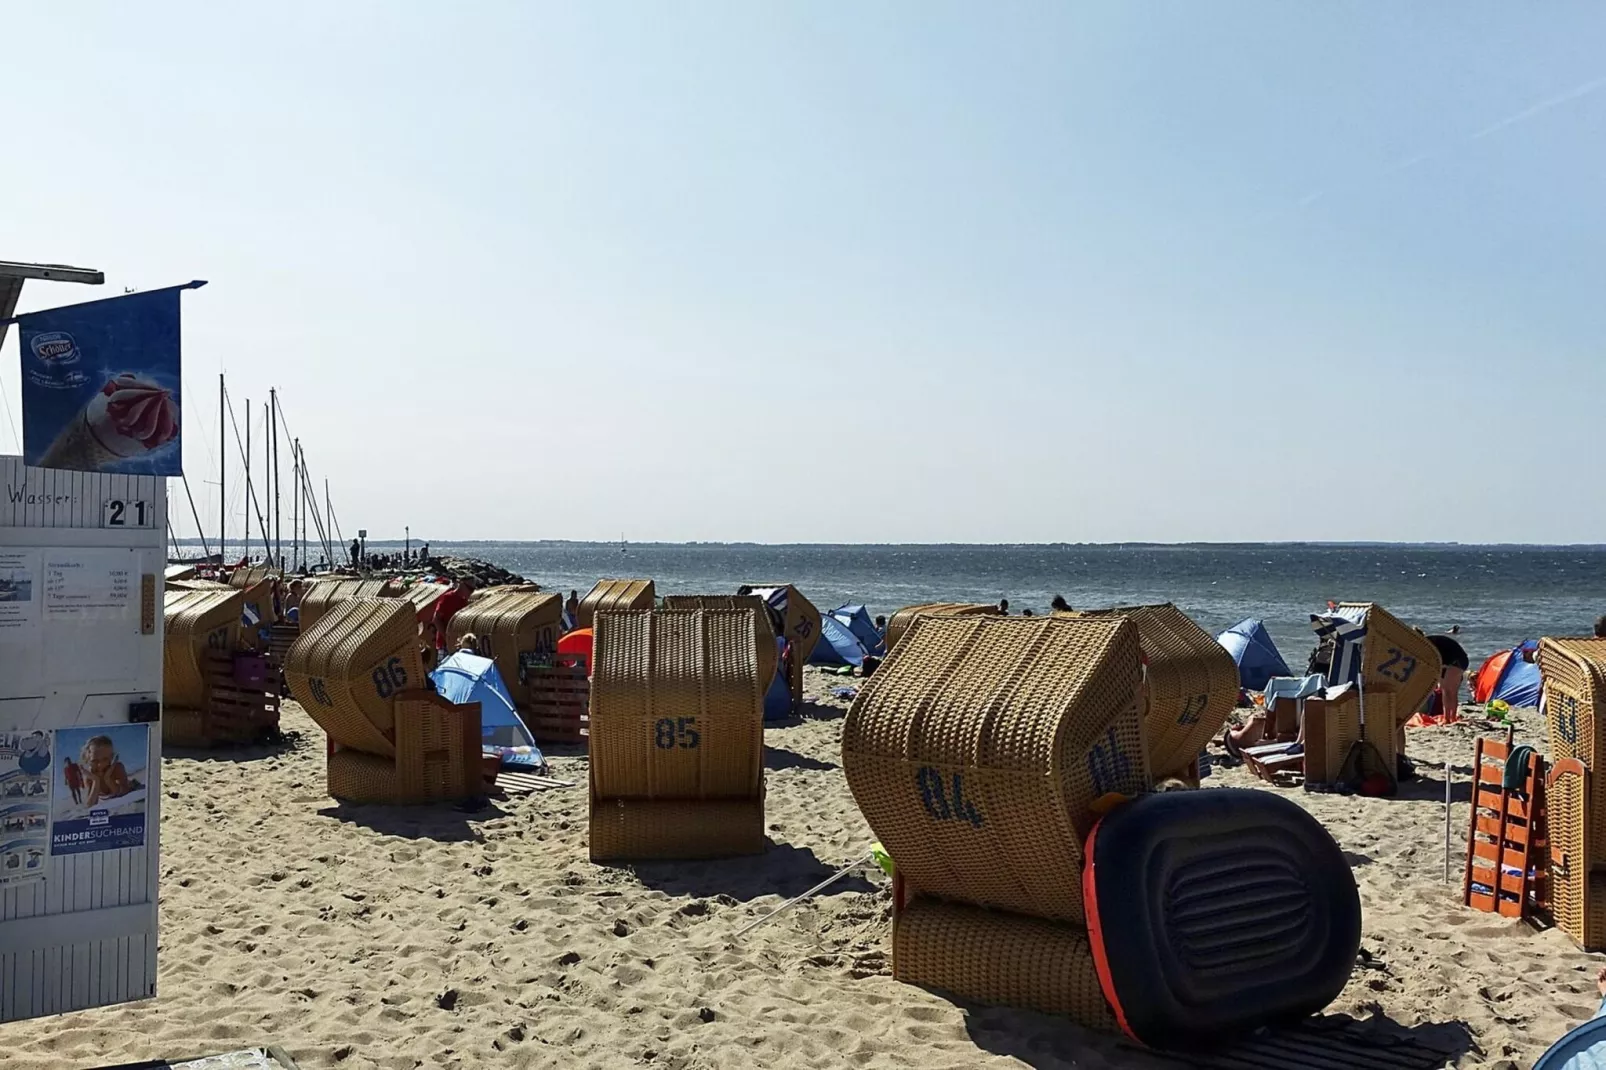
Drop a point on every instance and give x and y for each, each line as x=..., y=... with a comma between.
x=668, y=732
x=1401, y=664
x=934, y=797
x=389, y=678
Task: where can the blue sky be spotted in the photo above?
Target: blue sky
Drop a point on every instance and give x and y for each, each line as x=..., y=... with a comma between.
x=892, y=272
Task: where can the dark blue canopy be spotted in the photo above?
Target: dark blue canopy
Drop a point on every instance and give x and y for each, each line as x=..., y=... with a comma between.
x=857, y=619
x=1251, y=647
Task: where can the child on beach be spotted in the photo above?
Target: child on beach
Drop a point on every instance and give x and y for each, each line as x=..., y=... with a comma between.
x=107, y=777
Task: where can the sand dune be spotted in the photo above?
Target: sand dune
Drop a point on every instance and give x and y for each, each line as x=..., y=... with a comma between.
x=366, y=937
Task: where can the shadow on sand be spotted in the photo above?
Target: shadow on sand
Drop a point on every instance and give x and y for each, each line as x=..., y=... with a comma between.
x=279, y=743
x=783, y=870
x=443, y=821
x=1330, y=1041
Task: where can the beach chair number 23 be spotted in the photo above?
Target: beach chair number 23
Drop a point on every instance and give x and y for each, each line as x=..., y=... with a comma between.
x=1399, y=665
x=389, y=678
x=934, y=797
x=667, y=732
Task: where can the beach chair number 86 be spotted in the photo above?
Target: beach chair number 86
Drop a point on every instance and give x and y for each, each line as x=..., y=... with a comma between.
x=389, y=678
x=666, y=732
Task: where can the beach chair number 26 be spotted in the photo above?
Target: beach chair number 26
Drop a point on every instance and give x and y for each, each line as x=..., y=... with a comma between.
x=668, y=731
x=389, y=678
x=1402, y=664
x=934, y=797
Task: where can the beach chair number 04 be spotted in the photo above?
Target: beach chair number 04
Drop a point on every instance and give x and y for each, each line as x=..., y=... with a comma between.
x=389, y=678
x=666, y=732
x=936, y=802
x=1108, y=765
x=1406, y=663
x=1193, y=709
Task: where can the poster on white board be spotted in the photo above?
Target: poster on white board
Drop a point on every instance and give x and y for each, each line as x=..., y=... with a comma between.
x=20, y=595
x=24, y=806
x=100, y=788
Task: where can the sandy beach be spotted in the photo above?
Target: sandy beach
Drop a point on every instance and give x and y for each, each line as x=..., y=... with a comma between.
x=372, y=937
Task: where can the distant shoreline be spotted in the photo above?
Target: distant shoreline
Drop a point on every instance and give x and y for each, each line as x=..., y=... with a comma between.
x=1286, y=544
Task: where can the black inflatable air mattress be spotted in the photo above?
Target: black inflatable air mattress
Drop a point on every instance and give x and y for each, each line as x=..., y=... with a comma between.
x=1212, y=913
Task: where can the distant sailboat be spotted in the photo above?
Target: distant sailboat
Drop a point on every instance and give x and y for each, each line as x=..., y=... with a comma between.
x=622, y=542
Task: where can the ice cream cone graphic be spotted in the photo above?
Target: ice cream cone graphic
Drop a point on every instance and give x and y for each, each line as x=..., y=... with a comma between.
x=127, y=418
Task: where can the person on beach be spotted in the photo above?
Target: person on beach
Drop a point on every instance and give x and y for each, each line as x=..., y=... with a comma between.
x=74, y=778
x=881, y=626
x=292, y=602
x=1600, y=627
x=356, y=553
x=1060, y=605
x=1456, y=663
x=571, y=610
x=447, y=605
x=1003, y=606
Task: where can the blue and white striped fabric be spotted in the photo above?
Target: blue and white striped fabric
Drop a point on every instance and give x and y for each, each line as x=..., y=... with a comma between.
x=1347, y=630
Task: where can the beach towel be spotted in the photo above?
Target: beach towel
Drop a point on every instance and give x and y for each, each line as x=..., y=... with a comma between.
x=1294, y=687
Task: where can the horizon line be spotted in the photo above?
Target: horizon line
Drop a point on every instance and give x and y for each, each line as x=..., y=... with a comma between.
x=1125, y=544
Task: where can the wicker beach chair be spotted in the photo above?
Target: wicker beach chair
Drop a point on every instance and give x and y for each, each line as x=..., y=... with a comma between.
x=614, y=596
x=516, y=629
x=1574, y=675
x=677, y=735
x=242, y=578
x=1395, y=657
x=763, y=633
x=358, y=673
x=900, y=621
x=799, y=625
x=977, y=754
x=322, y=596
x=215, y=691
x=1190, y=681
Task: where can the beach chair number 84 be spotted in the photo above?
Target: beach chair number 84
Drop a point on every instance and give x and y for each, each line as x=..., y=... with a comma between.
x=939, y=805
x=389, y=678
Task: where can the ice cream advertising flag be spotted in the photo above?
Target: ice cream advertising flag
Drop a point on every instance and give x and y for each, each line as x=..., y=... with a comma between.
x=100, y=385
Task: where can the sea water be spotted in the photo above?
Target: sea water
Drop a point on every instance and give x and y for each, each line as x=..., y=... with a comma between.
x=1498, y=595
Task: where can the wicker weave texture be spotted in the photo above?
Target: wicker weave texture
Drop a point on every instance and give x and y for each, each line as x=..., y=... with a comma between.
x=347, y=669
x=423, y=596
x=763, y=634
x=320, y=597
x=516, y=629
x=244, y=578
x=437, y=757
x=999, y=958
x=196, y=624
x=1190, y=680
x=676, y=705
x=978, y=748
x=1574, y=674
x=1577, y=890
x=1396, y=657
x=903, y=618
x=636, y=829
x=613, y=596
x=800, y=628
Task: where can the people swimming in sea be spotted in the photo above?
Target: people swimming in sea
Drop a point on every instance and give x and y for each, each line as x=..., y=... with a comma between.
x=1060, y=605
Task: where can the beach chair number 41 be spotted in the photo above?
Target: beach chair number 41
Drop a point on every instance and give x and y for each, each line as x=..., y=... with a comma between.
x=1401, y=664
x=934, y=797
x=389, y=678
x=667, y=732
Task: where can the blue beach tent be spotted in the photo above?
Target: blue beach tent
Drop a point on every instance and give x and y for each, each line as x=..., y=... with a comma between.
x=1251, y=647
x=837, y=644
x=1509, y=677
x=857, y=618
x=466, y=677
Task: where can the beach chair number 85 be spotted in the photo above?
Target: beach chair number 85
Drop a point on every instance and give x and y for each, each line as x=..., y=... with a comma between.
x=666, y=732
x=1402, y=663
x=389, y=678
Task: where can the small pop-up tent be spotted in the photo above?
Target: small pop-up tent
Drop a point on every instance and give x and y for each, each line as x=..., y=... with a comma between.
x=838, y=645
x=857, y=619
x=466, y=677
x=1251, y=647
x=1509, y=676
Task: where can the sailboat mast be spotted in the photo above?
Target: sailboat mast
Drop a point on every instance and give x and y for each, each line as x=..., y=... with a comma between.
x=248, y=499
x=222, y=470
x=273, y=437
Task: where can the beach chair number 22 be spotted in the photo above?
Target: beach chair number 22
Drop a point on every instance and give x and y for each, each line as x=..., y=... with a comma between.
x=934, y=797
